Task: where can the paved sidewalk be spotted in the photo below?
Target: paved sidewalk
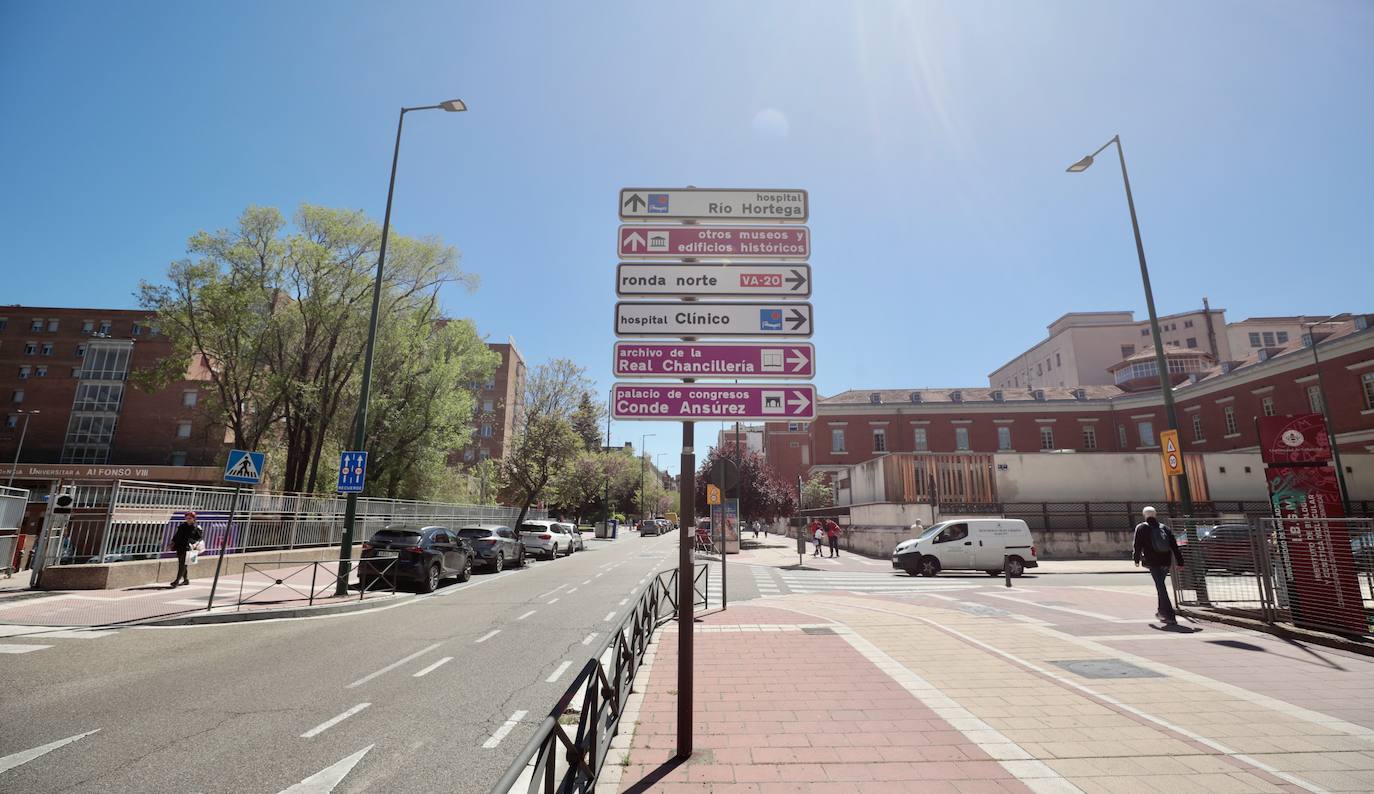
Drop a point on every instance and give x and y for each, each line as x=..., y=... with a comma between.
x=936, y=693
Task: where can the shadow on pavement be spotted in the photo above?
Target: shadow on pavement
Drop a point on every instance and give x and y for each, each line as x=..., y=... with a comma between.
x=647, y=782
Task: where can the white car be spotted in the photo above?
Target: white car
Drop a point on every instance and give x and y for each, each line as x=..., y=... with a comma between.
x=969, y=544
x=575, y=536
x=547, y=539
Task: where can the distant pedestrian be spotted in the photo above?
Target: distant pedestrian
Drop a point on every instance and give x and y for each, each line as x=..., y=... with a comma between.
x=1156, y=545
x=187, y=534
x=818, y=535
x=917, y=528
x=756, y=527
x=832, y=531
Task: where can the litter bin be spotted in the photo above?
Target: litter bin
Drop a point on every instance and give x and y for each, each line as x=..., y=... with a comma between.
x=602, y=531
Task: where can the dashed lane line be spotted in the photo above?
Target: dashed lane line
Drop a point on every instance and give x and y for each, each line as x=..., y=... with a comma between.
x=393, y=666
x=552, y=601
x=506, y=727
x=22, y=648
x=527, y=614
x=486, y=636
x=331, y=722
x=589, y=638
x=558, y=673
x=24, y=756
x=610, y=615
x=426, y=671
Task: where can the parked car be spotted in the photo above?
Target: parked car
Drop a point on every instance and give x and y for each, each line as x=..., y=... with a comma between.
x=575, y=536
x=545, y=538
x=974, y=544
x=494, y=546
x=649, y=527
x=124, y=554
x=1226, y=547
x=424, y=556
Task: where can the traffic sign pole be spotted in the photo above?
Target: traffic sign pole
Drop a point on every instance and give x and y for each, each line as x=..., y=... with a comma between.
x=223, y=546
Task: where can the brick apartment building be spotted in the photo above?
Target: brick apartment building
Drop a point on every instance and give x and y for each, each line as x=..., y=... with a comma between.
x=500, y=407
x=1217, y=403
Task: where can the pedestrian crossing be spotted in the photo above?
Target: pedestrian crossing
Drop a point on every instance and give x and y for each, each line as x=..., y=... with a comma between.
x=36, y=638
x=861, y=582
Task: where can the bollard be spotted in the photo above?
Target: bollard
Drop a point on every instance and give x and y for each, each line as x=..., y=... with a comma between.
x=1006, y=568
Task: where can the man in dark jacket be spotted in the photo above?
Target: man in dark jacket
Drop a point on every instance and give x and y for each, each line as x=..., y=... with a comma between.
x=187, y=534
x=1156, y=545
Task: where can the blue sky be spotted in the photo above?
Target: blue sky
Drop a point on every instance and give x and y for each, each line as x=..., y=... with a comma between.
x=932, y=137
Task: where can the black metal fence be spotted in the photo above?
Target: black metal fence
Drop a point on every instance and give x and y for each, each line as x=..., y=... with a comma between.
x=568, y=750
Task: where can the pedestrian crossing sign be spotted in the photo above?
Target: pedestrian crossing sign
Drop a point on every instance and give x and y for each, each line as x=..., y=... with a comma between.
x=243, y=467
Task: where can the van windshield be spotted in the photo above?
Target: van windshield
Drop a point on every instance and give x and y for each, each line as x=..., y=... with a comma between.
x=932, y=531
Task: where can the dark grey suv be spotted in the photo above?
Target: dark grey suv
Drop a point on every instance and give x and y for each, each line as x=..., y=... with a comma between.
x=495, y=546
x=423, y=555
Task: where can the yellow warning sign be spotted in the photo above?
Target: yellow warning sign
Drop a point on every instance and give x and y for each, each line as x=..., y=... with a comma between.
x=712, y=495
x=1171, y=453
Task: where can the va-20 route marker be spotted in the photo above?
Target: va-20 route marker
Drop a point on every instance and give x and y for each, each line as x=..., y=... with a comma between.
x=772, y=280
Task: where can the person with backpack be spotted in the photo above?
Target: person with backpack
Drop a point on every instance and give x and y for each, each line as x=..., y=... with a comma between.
x=832, y=531
x=187, y=535
x=1157, y=547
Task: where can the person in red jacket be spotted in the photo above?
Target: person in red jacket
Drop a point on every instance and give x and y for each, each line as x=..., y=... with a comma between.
x=832, y=531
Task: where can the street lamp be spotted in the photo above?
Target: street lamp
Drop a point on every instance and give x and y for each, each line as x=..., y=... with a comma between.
x=360, y=428
x=1326, y=413
x=643, y=458
x=1161, y=362
x=20, y=447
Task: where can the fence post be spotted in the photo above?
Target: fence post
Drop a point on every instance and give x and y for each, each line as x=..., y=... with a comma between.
x=1045, y=515
x=1088, y=515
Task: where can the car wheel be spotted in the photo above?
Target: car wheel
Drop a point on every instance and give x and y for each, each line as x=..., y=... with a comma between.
x=523, y=561
x=929, y=566
x=466, y=573
x=553, y=552
x=500, y=564
x=431, y=581
x=1015, y=567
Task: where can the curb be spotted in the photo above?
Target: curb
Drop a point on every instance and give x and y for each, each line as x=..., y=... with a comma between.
x=212, y=618
x=1279, y=630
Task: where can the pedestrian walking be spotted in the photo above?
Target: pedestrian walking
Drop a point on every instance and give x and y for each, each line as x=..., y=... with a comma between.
x=187, y=534
x=756, y=527
x=1157, y=547
x=832, y=531
x=818, y=535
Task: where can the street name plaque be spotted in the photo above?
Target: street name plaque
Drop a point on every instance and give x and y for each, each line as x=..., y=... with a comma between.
x=743, y=360
x=712, y=204
x=713, y=319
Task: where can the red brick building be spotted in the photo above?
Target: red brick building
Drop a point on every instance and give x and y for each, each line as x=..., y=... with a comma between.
x=1216, y=410
x=500, y=407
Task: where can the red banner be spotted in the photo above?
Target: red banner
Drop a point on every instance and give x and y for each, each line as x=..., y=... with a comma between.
x=1324, y=589
x=1294, y=439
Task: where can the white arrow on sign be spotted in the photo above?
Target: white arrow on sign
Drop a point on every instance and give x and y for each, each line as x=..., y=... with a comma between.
x=800, y=401
x=797, y=358
x=635, y=241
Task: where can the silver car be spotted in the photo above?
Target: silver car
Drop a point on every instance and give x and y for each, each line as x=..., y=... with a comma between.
x=575, y=535
x=547, y=539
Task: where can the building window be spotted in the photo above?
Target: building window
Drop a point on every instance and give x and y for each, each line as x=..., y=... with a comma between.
x=4, y=323
x=1314, y=398
x=486, y=431
x=1191, y=341
x=189, y=398
x=794, y=426
x=875, y=398
x=488, y=406
x=136, y=329
x=1056, y=360
x=30, y=348
x=1254, y=340
x=469, y=455
x=1127, y=351
x=880, y=440
x=1187, y=323
x=1144, y=331
x=105, y=327
x=17, y=396
x=41, y=372
x=1268, y=338
x=1229, y=412
x=922, y=444
x=484, y=453
x=1267, y=405
x=1121, y=436
x=80, y=351
x=87, y=326
x=837, y=440
x=52, y=326
x=36, y=325
x=1147, y=433
x=12, y=420
x=47, y=348
x=490, y=384
x=1367, y=380
x=1282, y=337
x=183, y=429
x=806, y=454
x=1003, y=438
x=1197, y=428
x=24, y=372
x=1046, y=437
x=1089, y=437
x=1038, y=370
x=961, y=439
x=178, y=458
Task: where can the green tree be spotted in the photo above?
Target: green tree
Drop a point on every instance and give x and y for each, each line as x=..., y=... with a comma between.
x=763, y=493
x=817, y=492
x=545, y=441
x=587, y=421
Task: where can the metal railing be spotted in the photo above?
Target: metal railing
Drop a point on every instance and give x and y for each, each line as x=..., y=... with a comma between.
x=289, y=582
x=568, y=756
x=1312, y=573
x=135, y=520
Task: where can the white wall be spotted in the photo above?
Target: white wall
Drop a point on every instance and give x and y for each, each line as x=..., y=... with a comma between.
x=865, y=483
x=890, y=515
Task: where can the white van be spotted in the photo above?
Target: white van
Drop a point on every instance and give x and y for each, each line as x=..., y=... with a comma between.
x=969, y=544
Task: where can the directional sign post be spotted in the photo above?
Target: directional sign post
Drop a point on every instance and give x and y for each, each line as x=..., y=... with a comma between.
x=352, y=471
x=1171, y=453
x=713, y=319
x=714, y=242
x=772, y=280
x=697, y=402
x=707, y=204
x=789, y=360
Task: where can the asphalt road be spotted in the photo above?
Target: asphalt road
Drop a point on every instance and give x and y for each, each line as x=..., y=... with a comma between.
x=440, y=692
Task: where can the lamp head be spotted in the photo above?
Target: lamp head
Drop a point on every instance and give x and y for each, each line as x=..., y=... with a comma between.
x=453, y=106
x=1080, y=166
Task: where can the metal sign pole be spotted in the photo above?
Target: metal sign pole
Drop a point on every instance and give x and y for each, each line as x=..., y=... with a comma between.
x=686, y=595
x=223, y=546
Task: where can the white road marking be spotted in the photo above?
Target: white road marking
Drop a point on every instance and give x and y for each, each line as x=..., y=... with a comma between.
x=562, y=668
x=448, y=591
x=589, y=638
x=393, y=666
x=324, y=781
x=9, y=630
x=610, y=615
x=22, y=648
x=589, y=581
x=623, y=602
x=506, y=727
x=1068, y=610
x=433, y=667
x=331, y=722
x=527, y=614
x=552, y=601
x=551, y=592
x=487, y=636
x=24, y=756
x=598, y=576
x=570, y=592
